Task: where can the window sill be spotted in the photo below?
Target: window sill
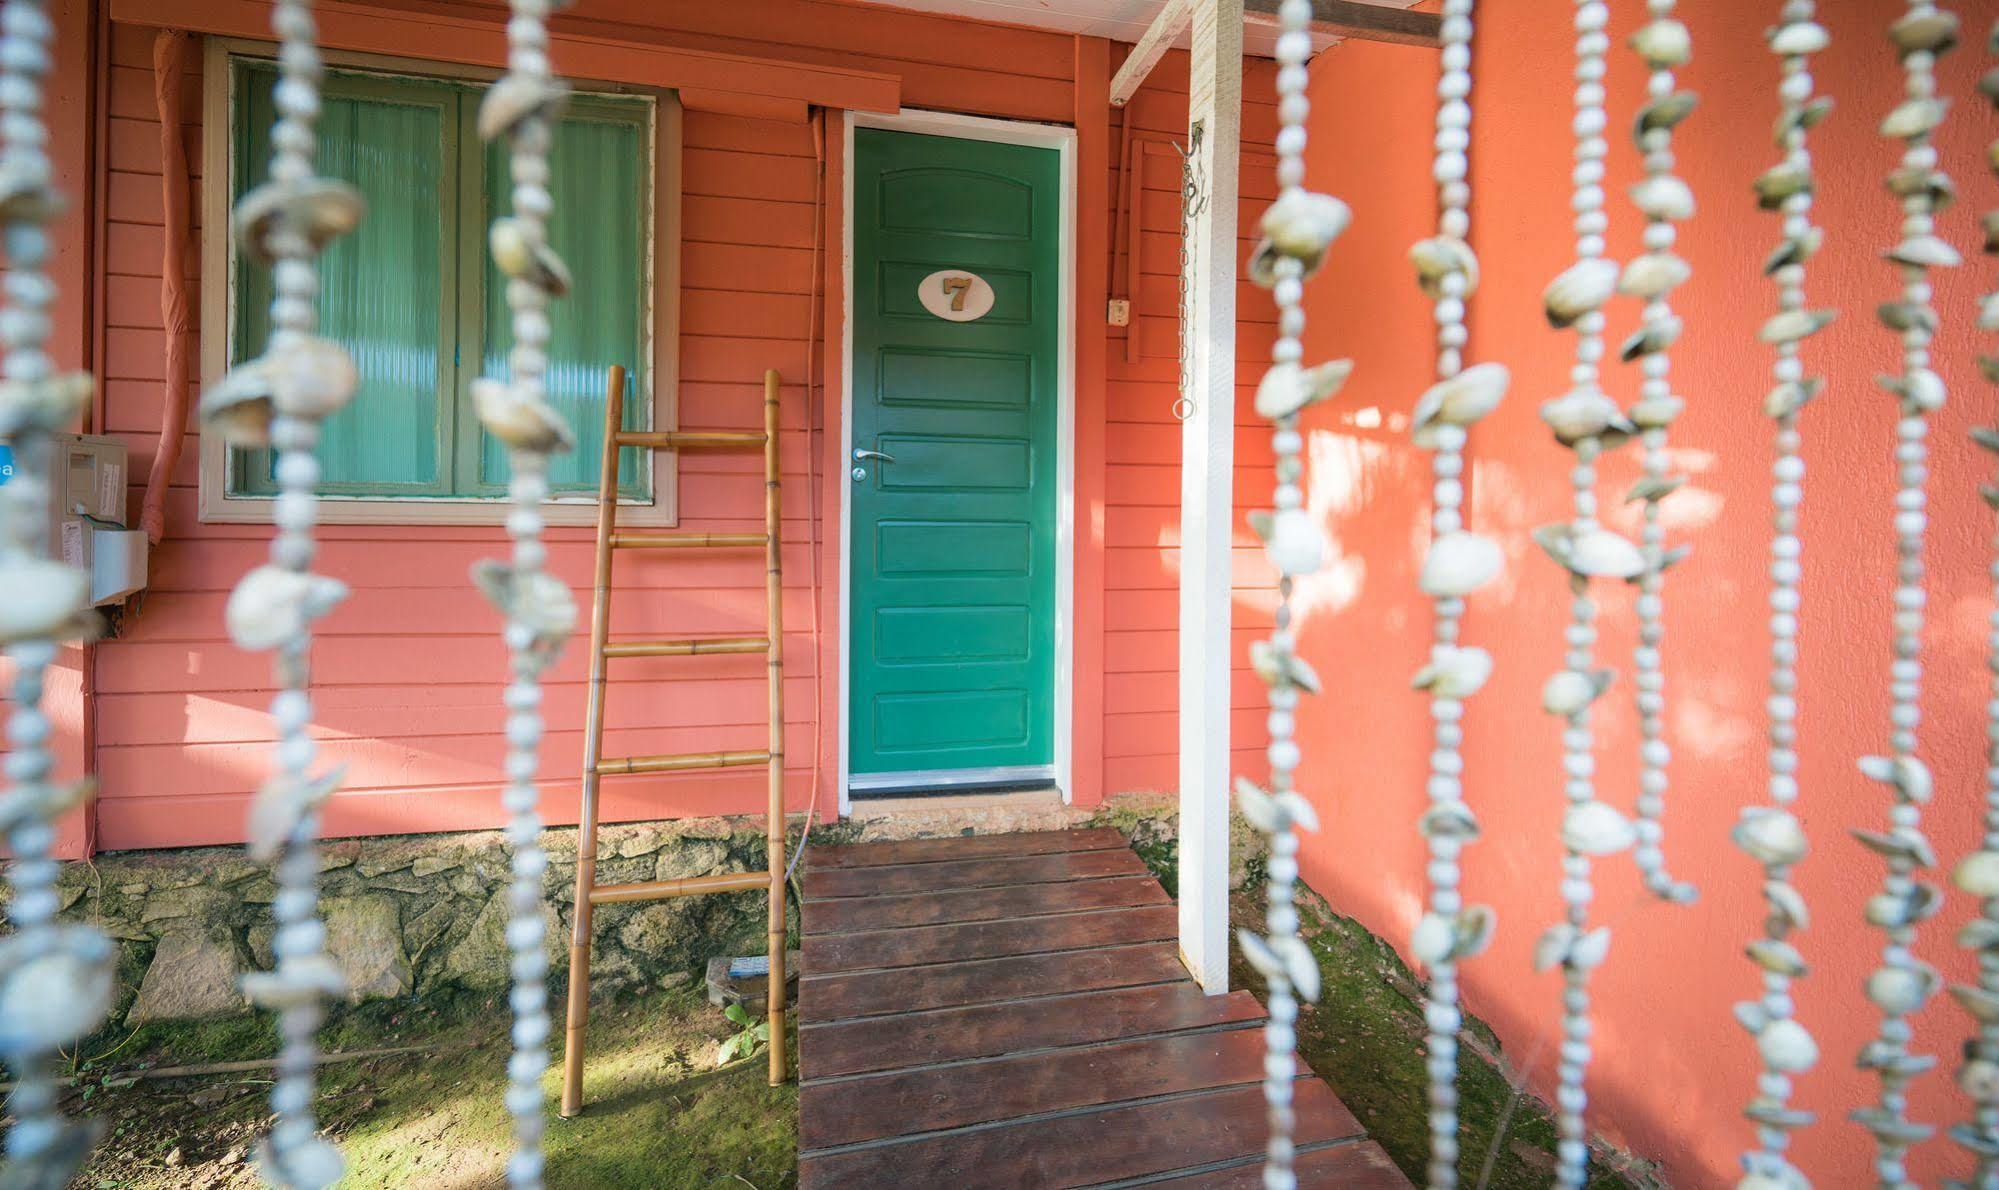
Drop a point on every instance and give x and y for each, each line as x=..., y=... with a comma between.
x=251, y=510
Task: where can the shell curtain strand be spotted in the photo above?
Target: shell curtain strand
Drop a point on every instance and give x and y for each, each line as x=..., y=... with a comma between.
x=522, y=107
x=279, y=400
x=1297, y=230
x=56, y=981
x=1447, y=271
x=1769, y=833
x=1977, y=875
x=1902, y=982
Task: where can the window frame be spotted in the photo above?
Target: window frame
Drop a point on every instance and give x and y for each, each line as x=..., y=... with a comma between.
x=657, y=369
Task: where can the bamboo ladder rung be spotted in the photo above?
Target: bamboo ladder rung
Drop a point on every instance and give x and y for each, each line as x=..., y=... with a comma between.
x=687, y=541
x=691, y=439
x=589, y=893
x=674, y=762
x=688, y=648
x=660, y=890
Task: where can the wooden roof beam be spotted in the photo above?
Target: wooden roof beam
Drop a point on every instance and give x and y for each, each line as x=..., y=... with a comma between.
x=1362, y=22
x=1159, y=37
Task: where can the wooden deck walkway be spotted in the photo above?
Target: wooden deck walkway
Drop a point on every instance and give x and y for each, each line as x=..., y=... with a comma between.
x=1010, y=1011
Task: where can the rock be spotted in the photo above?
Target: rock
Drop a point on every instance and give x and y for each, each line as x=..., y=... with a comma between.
x=259, y=938
x=661, y=934
x=339, y=855
x=203, y=904
x=371, y=866
x=135, y=890
x=706, y=828
x=192, y=975
x=431, y=865
x=480, y=958
x=465, y=884
x=365, y=939
x=690, y=857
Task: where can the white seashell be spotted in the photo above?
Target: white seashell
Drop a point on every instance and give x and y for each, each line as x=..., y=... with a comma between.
x=1442, y=256
x=1910, y=776
x=1282, y=668
x=1978, y=874
x=239, y=407
x=1663, y=196
x=1655, y=413
x=1980, y=933
x=1594, y=553
x=1799, y=37
x=1892, y=910
x=1292, y=540
x=319, y=210
x=1933, y=32
x=1988, y=312
x=25, y=192
x=1582, y=287
x=55, y=986
x=1653, y=274
x=1979, y=1078
x=1779, y=958
x=1440, y=938
x=1563, y=944
x=40, y=598
x=1569, y=690
x=1786, y=1047
x=1776, y=185
x=519, y=420
x=1771, y=836
x=1914, y=117
x=1925, y=251
x=1899, y=844
x=311, y=377
x=1901, y=990
x=514, y=98
x=1597, y=828
x=1288, y=388
x=1654, y=488
x=1302, y=225
x=1921, y=390
x=1905, y=316
x=1655, y=336
x=1751, y=1015
x=1449, y=820
x=271, y=605
x=1978, y=1002
x=1663, y=43
x=522, y=254
x=1458, y=564
x=1794, y=250
x=545, y=605
x=1890, y=1127
x=1259, y=955
x=1787, y=905
x=1272, y=813
x=1789, y=326
x=1585, y=413
x=48, y=404
x=1461, y=400
x=1301, y=966
x=281, y=805
x=1790, y=396
x=1454, y=671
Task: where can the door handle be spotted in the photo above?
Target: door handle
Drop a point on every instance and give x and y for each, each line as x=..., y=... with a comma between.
x=861, y=455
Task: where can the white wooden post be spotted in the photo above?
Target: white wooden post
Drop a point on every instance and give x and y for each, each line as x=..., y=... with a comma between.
x=1207, y=515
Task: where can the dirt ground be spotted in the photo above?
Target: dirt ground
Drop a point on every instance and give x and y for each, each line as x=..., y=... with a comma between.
x=660, y=1112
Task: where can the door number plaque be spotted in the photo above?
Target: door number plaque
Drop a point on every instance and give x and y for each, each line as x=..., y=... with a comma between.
x=955, y=295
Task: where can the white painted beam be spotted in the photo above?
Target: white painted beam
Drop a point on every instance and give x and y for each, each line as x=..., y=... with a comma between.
x=1207, y=513
x=1159, y=37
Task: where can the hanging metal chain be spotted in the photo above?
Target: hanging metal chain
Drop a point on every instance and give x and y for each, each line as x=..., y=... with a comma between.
x=1193, y=201
x=56, y=981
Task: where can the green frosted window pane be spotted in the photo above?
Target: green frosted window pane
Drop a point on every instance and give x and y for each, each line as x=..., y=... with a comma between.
x=381, y=288
x=600, y=170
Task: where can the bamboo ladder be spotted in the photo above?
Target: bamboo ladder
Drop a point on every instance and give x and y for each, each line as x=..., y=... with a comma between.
x=590, y=894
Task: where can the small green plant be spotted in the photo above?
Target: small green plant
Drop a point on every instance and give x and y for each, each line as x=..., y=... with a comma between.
x=752, y=1033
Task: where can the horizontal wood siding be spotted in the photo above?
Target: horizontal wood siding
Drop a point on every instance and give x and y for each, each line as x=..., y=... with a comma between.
x=407, y=672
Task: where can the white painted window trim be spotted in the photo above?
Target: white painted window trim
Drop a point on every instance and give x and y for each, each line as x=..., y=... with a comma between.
x=660, y=370
x=1011, y=132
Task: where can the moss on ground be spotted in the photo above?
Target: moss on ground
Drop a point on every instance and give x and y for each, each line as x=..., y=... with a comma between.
x=659, y=1113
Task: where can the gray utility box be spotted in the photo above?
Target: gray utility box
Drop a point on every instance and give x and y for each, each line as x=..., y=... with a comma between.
x=87, y=514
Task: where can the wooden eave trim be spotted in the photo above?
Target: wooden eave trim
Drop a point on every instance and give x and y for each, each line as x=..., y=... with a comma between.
x=1361, y=22
x=443, y=31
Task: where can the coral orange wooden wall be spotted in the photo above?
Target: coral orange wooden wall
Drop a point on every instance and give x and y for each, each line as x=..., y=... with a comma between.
x=407, y=670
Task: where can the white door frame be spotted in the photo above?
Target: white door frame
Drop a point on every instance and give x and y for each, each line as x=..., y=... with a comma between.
x=1011, y=132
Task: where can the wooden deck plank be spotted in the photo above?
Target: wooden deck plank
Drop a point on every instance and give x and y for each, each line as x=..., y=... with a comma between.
x=976, y=873
x=957, y=1034
x=848, y=914
x=1133, y=1140
x=841, y=997
x=906, y=1103
x=925, y=945
x=919, y=851
x=1362, y=1165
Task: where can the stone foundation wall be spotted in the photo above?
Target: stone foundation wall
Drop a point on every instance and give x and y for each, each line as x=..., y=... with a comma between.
x=412, y=914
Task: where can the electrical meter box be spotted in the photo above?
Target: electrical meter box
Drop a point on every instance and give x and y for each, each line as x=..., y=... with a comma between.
x=87, y=513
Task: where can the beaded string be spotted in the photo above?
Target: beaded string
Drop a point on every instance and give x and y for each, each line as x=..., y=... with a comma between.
x=1770, y=834
x=279, y=400
x=1447, y=271
x=1663, y=43
x=539, y=608
x=1977, y=874
x=56, y=981
x=1297, y=230
x=1587, y=421
x=1901, y=984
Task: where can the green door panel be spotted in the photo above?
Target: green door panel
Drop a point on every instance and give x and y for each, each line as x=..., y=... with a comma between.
x=952, y=650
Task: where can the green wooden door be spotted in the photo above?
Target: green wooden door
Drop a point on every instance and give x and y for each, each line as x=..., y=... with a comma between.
x=956, y=324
